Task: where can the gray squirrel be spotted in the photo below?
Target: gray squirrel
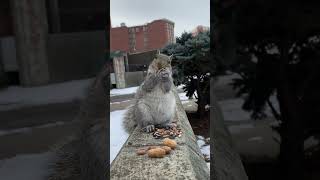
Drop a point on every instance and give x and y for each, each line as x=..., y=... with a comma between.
x=154, y=102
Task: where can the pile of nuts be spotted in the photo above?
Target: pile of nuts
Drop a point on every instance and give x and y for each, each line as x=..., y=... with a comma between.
x=158, y=151
x=167, y=133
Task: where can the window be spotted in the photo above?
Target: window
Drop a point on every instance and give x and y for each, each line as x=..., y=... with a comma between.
x=132, y=35
x=137, y=29
x=77, y=17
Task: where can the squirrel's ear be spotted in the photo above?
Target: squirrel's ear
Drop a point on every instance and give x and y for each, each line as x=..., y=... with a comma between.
x=170, y=58
x=157, y=54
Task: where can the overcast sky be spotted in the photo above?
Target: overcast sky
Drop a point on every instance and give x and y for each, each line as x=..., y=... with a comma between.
x=186, y=14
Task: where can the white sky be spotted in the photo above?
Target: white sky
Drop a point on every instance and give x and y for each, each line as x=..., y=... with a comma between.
x=186, y=14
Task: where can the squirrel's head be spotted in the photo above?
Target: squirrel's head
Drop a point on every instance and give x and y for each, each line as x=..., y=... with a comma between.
x=161, y=62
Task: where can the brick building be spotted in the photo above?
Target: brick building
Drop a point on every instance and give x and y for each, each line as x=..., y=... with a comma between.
x=151, y=36
x=199, y=29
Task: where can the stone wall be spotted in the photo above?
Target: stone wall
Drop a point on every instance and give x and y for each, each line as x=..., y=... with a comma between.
x=225, y=161
x=185, y=162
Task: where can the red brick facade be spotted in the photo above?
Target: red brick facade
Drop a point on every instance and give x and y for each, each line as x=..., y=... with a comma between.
x=154, y=35
x=119, y=39
x=199, y=29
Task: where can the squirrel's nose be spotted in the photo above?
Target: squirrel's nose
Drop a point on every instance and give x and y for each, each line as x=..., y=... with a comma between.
x=165, y=74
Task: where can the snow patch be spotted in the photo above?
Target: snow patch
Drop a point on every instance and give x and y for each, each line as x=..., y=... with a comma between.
x=183, y=96
x=124, y=91
x=239, y=128
x=117, y=134
x=26, y=166
x=258, y=138
x=16, y=96
x=200, y=142
x=186, y=102
x=200, y=137
x=205, y=150
x=181, y=86
x=232, y=109
x=121, y=102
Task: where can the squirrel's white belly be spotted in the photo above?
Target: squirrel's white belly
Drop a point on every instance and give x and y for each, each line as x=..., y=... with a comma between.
x=163, y=109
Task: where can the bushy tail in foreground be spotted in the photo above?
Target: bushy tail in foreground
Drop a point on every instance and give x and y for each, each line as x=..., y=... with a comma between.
x=129, y=122
x=84, y=157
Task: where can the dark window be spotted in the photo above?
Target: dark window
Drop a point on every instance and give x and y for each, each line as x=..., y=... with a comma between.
x=77, y=16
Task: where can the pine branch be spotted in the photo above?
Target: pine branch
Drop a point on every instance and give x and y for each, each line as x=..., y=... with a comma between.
x=275, y=113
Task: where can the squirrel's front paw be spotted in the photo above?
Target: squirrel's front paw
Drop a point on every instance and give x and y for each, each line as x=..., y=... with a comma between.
x=149, y=128
x=168, y=125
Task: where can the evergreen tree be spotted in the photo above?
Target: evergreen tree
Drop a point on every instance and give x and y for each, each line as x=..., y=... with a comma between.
x=191, y=62
x=278, y=36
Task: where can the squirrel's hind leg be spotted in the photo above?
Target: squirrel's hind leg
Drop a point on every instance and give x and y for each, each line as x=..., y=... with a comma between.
x=144, y=118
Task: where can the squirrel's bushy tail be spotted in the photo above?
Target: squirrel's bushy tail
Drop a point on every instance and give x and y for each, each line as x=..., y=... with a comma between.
x=129, y=122
x=83, y=155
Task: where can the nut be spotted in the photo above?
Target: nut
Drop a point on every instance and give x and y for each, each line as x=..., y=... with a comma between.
x=156, y=153
x=152, y=147
x=167, y=149
x=162, y=132
x=169, y=142
x=141, y=151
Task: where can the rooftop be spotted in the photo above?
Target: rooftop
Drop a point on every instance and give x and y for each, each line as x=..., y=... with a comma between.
x=145, y=24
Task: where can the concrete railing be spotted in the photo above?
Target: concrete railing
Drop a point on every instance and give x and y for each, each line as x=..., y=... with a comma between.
x=226, y=162
x=185, y=162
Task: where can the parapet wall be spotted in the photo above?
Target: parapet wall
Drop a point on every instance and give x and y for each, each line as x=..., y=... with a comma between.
x=185, y=162
x=226, y=162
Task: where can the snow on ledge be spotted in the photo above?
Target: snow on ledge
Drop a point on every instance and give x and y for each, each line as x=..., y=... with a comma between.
x=17, y=96
x=124, y=91
x=118, y=136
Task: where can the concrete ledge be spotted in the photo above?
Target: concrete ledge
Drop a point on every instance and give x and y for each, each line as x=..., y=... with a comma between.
x=185, y=162
x=227, y=164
